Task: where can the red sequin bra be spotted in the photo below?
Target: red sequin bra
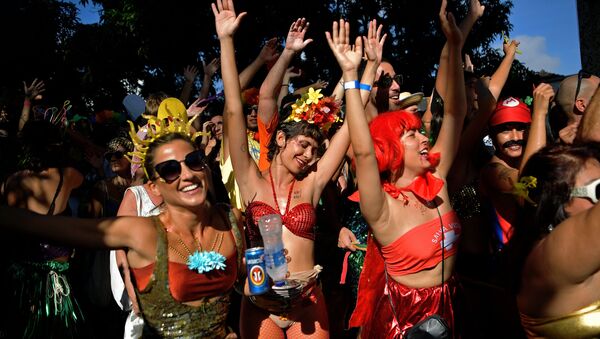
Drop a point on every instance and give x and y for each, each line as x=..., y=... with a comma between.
x=300, y=219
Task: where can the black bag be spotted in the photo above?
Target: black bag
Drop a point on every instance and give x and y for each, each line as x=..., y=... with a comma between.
x=432, y=327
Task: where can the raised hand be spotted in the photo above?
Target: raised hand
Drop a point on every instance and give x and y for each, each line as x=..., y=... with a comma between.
x=226, y=21
x=269, y=51
x=34, y=90
x=348, y=56
x=476, y=10
x=510, y=48
x=211, y=68
x=542, y=95
x=190, y=73
x=449, y=27
x=373, y=42
x=295, y=39
x=468, y=66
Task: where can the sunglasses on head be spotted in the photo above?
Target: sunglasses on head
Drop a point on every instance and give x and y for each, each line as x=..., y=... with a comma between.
x=170, y=170
x=118, y=155
x=581, y=75
x=590, y=191
x=385, y=80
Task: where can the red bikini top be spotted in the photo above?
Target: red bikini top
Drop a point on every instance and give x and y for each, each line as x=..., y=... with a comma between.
x=300, y=219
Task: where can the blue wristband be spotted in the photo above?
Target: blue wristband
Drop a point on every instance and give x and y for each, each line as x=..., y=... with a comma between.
x=351, y=84
x=364, y=87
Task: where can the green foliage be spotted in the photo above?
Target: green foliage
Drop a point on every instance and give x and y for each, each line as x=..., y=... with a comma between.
x=150, y=41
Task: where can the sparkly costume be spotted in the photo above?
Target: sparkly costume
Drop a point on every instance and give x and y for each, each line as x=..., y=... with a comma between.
x=40, y=291
x=418, y=249
x=582, y=323
x=165, y=317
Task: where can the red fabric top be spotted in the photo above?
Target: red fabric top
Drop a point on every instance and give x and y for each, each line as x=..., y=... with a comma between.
x=420, y=248
x=300, y=219
x=372, y=278
x=186, y=285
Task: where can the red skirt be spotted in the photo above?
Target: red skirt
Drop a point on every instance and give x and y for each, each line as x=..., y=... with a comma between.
x=411, y=306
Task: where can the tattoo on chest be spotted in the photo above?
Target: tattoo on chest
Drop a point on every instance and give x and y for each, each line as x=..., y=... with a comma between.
x=297, y=194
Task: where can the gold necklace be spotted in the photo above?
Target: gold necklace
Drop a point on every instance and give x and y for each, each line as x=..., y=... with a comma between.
x=218, y=239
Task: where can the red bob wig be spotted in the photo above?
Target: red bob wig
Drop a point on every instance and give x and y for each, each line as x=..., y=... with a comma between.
x=386, y=131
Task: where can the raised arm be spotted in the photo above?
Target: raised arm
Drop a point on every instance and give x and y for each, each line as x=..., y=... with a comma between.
x=31, y=92
x=189, y=73
x=227, y=22
x=589, y=130
x=373, y=45
x=476, y=10
x=285, y=83
x=455, y=105
x=499, y=78
x=267, y=54
x=209, y=71
x=542, y=95
x=367, y=171
x=349, y=57
x=270, y=88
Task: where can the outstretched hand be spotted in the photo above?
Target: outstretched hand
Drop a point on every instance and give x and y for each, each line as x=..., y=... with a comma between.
x=211, y=68
x=373, y=42
x=226, y=21
x=449, y=26
x=348, y=56
x=190, y=73
x=476, y=10
x=34, y=90
x=510, y=48
x=269, y=51
x=295, y=39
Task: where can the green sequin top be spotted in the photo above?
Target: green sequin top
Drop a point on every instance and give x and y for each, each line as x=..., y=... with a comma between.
x=164, y=317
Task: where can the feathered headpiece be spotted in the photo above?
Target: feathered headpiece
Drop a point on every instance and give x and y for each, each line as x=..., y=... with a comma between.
x=316, y=109
x=171, y=118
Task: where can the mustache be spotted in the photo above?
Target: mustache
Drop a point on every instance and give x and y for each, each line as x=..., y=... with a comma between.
x=511, y=143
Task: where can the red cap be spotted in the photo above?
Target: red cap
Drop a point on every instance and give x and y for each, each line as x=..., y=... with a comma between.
x=511, y=110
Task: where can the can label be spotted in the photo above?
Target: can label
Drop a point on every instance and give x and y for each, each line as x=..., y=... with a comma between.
x=255, y=264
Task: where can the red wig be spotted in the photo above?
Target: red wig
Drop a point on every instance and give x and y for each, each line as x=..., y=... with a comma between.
x=386, y=131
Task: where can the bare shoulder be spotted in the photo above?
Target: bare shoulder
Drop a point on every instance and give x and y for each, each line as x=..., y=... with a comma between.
x=496, y=175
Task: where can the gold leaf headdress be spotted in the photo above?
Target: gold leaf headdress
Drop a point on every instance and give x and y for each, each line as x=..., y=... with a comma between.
x=171, y=118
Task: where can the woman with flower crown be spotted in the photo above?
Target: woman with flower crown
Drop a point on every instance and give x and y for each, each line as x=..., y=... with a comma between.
x=407, y=273
x=187, y=259
x=290, y=186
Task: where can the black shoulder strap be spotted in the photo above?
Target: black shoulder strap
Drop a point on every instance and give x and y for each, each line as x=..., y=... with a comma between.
x=53, y=203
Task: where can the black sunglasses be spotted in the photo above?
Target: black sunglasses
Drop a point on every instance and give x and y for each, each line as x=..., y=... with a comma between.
x=118, y=155
x=170, y=170
x=385, y=80
x=581, y=75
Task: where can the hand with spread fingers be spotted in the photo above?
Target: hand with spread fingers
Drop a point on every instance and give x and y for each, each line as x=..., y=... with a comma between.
x=226, y=21
x=373, y=42
x=348, y=56
x=295, y=39
x=212, y=67
x=269, y=51
x=34, y=90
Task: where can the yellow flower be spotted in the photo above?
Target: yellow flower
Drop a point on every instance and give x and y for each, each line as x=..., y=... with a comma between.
x=313, y=96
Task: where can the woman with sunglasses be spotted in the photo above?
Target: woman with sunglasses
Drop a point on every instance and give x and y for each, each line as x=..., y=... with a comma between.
x=186, y=260
x=291, y=187
x=36, y=286
x=408, y=267
x=556, y=244
x=107, y=194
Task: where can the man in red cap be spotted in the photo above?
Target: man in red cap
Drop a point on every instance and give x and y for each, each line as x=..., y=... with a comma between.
x=508, y=130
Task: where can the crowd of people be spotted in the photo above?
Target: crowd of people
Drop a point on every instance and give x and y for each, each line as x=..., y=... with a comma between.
x=463, y=213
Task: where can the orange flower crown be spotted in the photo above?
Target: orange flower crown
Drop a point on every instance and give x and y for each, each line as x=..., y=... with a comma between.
x=315, y=108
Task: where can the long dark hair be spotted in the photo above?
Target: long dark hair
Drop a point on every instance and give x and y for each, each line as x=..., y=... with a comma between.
x=41, y=146
x=555, y=167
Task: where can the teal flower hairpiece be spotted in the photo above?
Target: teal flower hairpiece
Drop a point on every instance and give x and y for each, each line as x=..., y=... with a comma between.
x=204, y=262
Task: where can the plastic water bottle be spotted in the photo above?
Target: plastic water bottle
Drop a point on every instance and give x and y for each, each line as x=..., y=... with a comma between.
x=270, y=230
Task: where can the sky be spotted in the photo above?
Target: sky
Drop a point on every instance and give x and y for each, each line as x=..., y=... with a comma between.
x=547, y=30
